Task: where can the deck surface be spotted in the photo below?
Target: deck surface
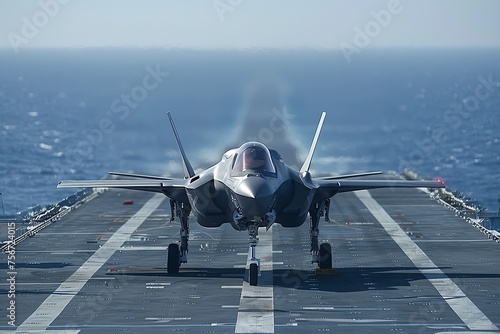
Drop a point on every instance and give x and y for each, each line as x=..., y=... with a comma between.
x=403, y=263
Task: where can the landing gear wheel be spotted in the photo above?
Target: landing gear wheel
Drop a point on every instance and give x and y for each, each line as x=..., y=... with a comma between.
x=173, y=260
x=325, y=256
x=254, y=274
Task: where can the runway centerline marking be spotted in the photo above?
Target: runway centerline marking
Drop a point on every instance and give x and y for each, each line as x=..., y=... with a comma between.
x=54, y=304
x=256, y=310
x=464, y=308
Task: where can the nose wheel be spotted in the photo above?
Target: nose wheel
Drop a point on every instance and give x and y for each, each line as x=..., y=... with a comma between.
x=325, y=256
x=173, y=259
x=254, y=274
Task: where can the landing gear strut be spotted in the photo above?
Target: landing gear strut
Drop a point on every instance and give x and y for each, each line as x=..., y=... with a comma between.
x=253, y=231
x=185, y=210
x=177, y=255
x=320, y=255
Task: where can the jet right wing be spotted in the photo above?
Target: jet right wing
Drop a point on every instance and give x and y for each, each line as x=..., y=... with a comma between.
x=139, y=176
x=159, y=186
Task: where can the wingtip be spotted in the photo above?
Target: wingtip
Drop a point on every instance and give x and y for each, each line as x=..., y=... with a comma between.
x=440, y=181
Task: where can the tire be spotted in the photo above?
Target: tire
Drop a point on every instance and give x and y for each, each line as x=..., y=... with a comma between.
x=254, y=274
x=173, y=262
x=325, y=256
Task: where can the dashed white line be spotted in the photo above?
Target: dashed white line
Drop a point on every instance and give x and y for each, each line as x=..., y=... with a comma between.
x=256, y=311
x=465, y=309
x=54, y=304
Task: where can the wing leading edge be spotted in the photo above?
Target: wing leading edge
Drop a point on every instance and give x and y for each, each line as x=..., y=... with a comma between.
x=160, y=186
x=342, y=185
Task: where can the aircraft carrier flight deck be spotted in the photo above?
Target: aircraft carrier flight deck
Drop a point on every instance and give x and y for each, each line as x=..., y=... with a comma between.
x=403, y=264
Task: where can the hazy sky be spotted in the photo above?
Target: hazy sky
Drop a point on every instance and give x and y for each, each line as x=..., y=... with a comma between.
x=248, y=23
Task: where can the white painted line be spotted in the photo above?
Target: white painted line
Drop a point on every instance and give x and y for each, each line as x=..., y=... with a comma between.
x=66, y=251
x=256, y=311
x=142, y=248
x=167, y=319
x=344, y=308
x=230, y=306
x=231, y=287
x=342, y=320
x=55, y=331
x=453, y=241
x=469, y=332
x=73, y=233
x=54, y=304
x=465, y=309
x=103, y=278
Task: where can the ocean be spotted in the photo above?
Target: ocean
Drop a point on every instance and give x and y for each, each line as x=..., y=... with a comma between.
x=79, y=113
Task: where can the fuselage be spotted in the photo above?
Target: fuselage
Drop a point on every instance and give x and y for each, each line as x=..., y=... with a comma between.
x=240, y=190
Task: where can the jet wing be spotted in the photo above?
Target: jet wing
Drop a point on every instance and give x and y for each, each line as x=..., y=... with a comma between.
x=160, y=186
x=347, y=176
x=342, y=185
x=139, y=176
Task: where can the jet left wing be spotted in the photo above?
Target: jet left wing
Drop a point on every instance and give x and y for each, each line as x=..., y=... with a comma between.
x=341, y=185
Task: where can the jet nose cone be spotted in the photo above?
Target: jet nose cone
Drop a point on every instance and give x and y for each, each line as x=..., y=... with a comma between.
x=255, y=197
x=254, y=187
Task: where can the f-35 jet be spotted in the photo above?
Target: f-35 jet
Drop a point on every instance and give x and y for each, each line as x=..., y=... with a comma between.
x=250, y=187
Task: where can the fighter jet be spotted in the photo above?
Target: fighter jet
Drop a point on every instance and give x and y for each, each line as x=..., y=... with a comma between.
x=251, y=187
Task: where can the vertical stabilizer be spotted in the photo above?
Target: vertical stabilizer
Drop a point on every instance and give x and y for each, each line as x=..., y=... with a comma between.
x=307, y=163
x=188, y=170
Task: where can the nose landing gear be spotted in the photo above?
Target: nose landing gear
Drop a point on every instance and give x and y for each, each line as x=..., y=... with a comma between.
x=253, y=231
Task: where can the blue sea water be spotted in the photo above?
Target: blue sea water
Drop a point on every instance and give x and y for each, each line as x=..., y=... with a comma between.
x=77, y=114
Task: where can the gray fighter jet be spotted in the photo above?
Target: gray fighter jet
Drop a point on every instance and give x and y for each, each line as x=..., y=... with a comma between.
x=250, y=187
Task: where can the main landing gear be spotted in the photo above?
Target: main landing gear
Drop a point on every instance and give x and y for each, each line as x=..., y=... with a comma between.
x=176, y=254
x=322, y=255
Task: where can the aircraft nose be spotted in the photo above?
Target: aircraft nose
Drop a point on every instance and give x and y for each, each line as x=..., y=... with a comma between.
x=254, y=187
x=255, y=196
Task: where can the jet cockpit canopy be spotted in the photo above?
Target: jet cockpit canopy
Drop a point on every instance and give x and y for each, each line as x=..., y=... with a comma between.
x=253, y=157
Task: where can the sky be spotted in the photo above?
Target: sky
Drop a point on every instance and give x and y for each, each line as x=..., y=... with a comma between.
x=245, y=24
